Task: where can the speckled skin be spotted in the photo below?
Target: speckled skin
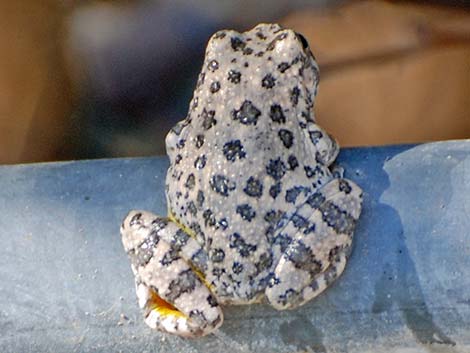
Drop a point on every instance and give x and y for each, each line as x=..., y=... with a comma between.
x=255, y=211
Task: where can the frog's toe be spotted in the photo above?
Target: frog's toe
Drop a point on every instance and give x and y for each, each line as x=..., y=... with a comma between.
x=322, y=230
x=169, y=283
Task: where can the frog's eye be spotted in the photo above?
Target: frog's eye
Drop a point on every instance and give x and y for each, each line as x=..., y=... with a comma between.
x=302, y=40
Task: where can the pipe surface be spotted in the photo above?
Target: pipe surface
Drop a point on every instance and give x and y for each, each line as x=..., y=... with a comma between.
x=66, y=284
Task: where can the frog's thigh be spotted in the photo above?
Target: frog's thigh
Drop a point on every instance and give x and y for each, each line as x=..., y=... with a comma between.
x=321, y=232
x=169, y=287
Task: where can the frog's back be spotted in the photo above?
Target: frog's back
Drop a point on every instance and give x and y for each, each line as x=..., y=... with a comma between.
x=242, y=160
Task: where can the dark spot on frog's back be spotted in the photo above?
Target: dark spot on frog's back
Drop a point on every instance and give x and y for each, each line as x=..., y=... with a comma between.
x=214, y=87
x=200, y=162
x=220, y=35
x=234, y=76
x=286, y=137
x=247, y=51
x=254, y=187
x=208, y=119
x=217, y=255
x=199, y=141
x=292, y=193
x=237, y=44
x=282, y=67
x=200, y=198
x=190, y=181
x=265, y=262
x=310, y=172
x=213, y=65
x=276, y=114
x=209, y=218
x=218, y=272
x=233, y=150
x=180, y=144
x=191, y=207
x=246, y=212
x=273, y=216
x=244, y=249
x=261, y=36
x=223, y=223
x=294, y=95
x=293, y=162
x=221, y=184
x=201, y=79
x=268, y=81
x=247, y=114
x=237, y=268
x=276, y=168
x=275, y=190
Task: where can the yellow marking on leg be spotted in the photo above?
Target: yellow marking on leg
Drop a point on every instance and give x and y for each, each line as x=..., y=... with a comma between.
x=162, y=307
x=190, y=232
x=187, y=230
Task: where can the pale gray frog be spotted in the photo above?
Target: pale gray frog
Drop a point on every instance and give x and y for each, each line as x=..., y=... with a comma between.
x=254, y=210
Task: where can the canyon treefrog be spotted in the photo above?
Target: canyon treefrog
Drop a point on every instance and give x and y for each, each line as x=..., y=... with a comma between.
x=254, y=210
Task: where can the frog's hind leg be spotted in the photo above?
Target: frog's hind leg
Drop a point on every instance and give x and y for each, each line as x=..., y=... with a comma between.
x=321, y=235
x=168, y=266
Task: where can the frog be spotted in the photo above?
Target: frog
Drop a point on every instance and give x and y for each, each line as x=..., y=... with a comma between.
x=256, y=213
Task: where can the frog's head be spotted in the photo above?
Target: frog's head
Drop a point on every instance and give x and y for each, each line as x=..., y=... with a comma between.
x=268, y=71
x=263, y=43
x=268, y=61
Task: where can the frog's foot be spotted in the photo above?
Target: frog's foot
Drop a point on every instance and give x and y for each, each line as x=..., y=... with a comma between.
x=168, y=264
x=322, y=231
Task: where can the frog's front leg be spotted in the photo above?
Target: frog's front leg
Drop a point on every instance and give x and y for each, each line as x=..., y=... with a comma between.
x=320, y=236
x=168, y=266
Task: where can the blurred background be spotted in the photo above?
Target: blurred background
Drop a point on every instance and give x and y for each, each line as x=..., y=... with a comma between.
x=95, y=79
